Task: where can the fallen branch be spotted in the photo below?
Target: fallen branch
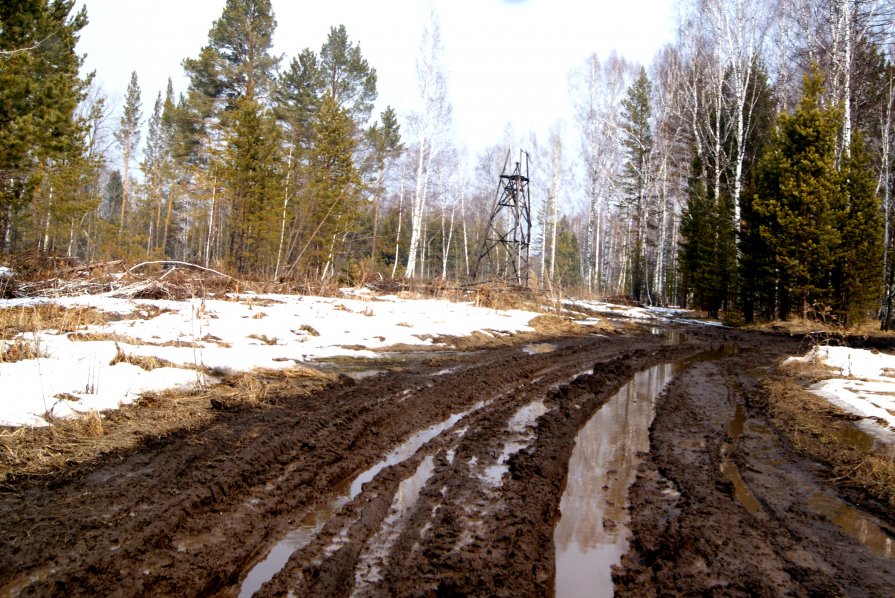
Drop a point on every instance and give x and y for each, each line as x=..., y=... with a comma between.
x=176, y=263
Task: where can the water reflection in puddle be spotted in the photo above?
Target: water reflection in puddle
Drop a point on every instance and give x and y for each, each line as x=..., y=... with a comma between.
x=853, y=523
x=367, y=571
x=729, y=469
x=592, y=533
x=520, y=437
x=671, y=336
x=312, y=522
x=536, y=348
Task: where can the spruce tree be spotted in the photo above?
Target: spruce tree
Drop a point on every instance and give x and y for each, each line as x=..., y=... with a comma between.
x=857, y=273
x=637, y=145
x=798, y=200
x=253, y=177
x=334, y=186
x=707, y=261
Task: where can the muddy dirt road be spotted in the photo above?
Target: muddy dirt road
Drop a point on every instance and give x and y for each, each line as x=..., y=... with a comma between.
x=445, y=476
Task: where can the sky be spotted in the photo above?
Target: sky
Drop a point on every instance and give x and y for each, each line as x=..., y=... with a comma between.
x=508, y=61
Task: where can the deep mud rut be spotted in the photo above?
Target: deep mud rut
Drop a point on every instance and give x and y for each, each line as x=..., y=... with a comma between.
x=444, y=477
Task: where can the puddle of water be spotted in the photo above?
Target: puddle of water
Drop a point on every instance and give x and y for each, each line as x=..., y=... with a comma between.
x=602, y=467
x=740, y=489
x=729, y=469
x=855, y=437
x=854, y=523
x=671, y=336
x=380, y=545
x=360, y=375
x=539, y=348
x=520, y=437
x=312, y=523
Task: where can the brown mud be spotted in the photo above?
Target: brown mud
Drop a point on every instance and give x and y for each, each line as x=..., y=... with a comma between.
x=444, y=477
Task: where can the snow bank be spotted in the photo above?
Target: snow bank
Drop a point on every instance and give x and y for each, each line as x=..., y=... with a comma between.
x=237, y=334
x=866, y=388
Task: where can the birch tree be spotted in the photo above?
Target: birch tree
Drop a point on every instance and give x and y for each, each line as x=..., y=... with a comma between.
x=429, y=125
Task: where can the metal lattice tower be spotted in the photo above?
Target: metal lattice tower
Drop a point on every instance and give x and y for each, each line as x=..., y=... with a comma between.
x=506, y=244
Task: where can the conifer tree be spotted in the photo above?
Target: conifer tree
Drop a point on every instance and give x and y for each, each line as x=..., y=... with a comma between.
x=857, y=274
x=386, y=147
x=707, y=229
x=232, y=76
x=347, y=77
x=128, y=137
x=637, y=144
x=253, y=178
x=334, y=186
x=40, y=89
x=799, y=198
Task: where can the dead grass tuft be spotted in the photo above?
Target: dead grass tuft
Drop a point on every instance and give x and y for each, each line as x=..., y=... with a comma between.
x=48, y=316
x=267, y=340
x=825, y=433
x=497, y=296
x=309, y=329
x=145, y=362
x=20, y=349
x=552, y=325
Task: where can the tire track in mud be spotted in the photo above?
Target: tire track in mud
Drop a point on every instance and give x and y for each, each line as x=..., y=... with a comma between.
x=723, y=506
x=468, y=533
x=191, y=513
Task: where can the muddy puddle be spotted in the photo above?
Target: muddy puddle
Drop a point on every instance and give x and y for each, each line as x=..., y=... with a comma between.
x=729, y=469
x=537, y=348
x=854, y=523
x=313, y=521
x=592, y=533
x=368, y=571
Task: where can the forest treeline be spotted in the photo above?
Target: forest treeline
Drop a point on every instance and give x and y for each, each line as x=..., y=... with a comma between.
x=746, y=171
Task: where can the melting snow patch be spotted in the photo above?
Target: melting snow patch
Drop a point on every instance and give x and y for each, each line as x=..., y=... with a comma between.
x=867, y=388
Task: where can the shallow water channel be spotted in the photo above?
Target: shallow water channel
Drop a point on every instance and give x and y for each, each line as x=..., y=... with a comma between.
x=592, y=533
x=314, y=520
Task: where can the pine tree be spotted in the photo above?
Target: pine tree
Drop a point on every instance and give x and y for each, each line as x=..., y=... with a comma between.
x=386, y=147
x=253, y=178
x=128, y=137
x=347, y=77
x=237, y=62
x=40, y=89
x=334, y=187
x=230, y=82
x=637, y=144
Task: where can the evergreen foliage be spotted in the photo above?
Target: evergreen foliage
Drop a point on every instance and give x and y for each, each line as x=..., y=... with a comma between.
x=40, y=90
x=707, y=259
x=816, y=219
x=637, y=146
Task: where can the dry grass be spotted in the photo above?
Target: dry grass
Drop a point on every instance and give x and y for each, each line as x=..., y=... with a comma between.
x=69, y=441
x=824, y=432
x=48, y=316
x=20, y=349
x=267, y=340
x=129, y=340
x=145, y=362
